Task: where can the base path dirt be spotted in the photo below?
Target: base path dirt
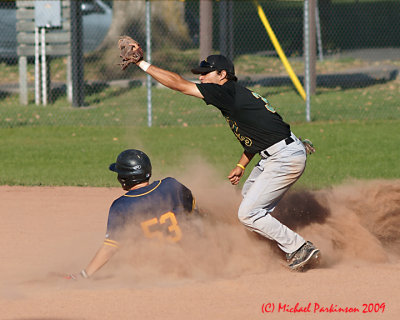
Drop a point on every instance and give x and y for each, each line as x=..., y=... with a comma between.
x=226, y=274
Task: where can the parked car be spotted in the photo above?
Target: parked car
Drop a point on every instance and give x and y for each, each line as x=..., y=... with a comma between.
x=96, y=20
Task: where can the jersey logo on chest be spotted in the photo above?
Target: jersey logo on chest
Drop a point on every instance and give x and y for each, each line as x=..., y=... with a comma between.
x=235, y=129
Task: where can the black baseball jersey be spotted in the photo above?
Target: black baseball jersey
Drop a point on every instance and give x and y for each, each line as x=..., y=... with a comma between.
x=250, y=116
x=155, y=209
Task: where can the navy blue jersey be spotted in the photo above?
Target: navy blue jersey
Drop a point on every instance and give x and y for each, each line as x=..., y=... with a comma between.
x=155, y=208
x=251, y=117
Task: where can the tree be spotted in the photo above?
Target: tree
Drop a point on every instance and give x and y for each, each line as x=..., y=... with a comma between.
x=168, y=26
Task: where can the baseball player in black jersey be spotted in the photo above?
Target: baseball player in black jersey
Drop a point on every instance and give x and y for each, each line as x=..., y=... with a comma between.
x=259, y=129
x=156, y=209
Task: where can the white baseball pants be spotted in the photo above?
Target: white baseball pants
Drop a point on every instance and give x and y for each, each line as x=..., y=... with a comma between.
x=264, y=188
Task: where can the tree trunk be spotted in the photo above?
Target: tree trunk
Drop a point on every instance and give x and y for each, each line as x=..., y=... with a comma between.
x=128, y=18
x=169, y=29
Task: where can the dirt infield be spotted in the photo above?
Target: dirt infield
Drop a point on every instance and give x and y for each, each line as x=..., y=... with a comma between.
x=226, y=274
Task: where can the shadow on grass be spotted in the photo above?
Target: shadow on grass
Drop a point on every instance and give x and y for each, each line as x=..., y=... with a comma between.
x=277, y=91
x=4, y=95
x=356, y=80
x=92, y=91
x=346, y=80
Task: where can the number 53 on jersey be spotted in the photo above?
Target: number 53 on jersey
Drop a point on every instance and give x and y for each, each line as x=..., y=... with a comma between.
x=153, y=228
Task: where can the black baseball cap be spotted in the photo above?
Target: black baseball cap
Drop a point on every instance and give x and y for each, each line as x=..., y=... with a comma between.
x=213, y=63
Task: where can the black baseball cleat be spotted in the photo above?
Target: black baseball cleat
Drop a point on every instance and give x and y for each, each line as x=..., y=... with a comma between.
x=306, y=257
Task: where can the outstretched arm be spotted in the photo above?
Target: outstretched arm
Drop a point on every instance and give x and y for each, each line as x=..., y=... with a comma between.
x=170, y=79
x=100, y=259
x=131, y=52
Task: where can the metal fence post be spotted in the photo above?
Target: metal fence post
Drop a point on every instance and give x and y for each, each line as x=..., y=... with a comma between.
x=37, y=67
x=148, y=58
x=312, y=45
x=226, y=28
x=231, y=52
x=23, y=82
x=223, y=13
x=44, y=67
x=77, y=55
x=206, y=28
x=307, y=59
x=309, y=53
x=319, y=36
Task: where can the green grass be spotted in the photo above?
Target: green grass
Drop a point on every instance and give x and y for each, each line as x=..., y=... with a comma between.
x=80, y=155
x=58, y=156
x=110, y=107
x=351, y=150
x=113, y=106
x=355, y=131
x=379, y=101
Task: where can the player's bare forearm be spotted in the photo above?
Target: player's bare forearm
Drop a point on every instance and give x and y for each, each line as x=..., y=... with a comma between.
x=246, y=158
x=173, y=81
x=100, y=259
x=236, y=173
x=132, y=53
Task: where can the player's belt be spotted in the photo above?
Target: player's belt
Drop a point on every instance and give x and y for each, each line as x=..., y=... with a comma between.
x=277, y=147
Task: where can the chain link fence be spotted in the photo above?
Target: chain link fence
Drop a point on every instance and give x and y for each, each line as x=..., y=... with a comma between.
x=357, y=60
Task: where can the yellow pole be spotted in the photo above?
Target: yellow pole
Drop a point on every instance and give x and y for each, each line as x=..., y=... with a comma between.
x=280, y=52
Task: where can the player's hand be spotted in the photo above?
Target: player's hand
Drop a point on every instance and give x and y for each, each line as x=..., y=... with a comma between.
x=235, y=175
x=76, y=276
x=71, y=276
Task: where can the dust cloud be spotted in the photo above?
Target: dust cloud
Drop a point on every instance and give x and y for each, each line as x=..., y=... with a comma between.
x=357, y=222
x=352, y=223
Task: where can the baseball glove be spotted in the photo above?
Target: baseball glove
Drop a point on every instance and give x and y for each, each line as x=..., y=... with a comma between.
x=308, y=145
x=131, y=52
